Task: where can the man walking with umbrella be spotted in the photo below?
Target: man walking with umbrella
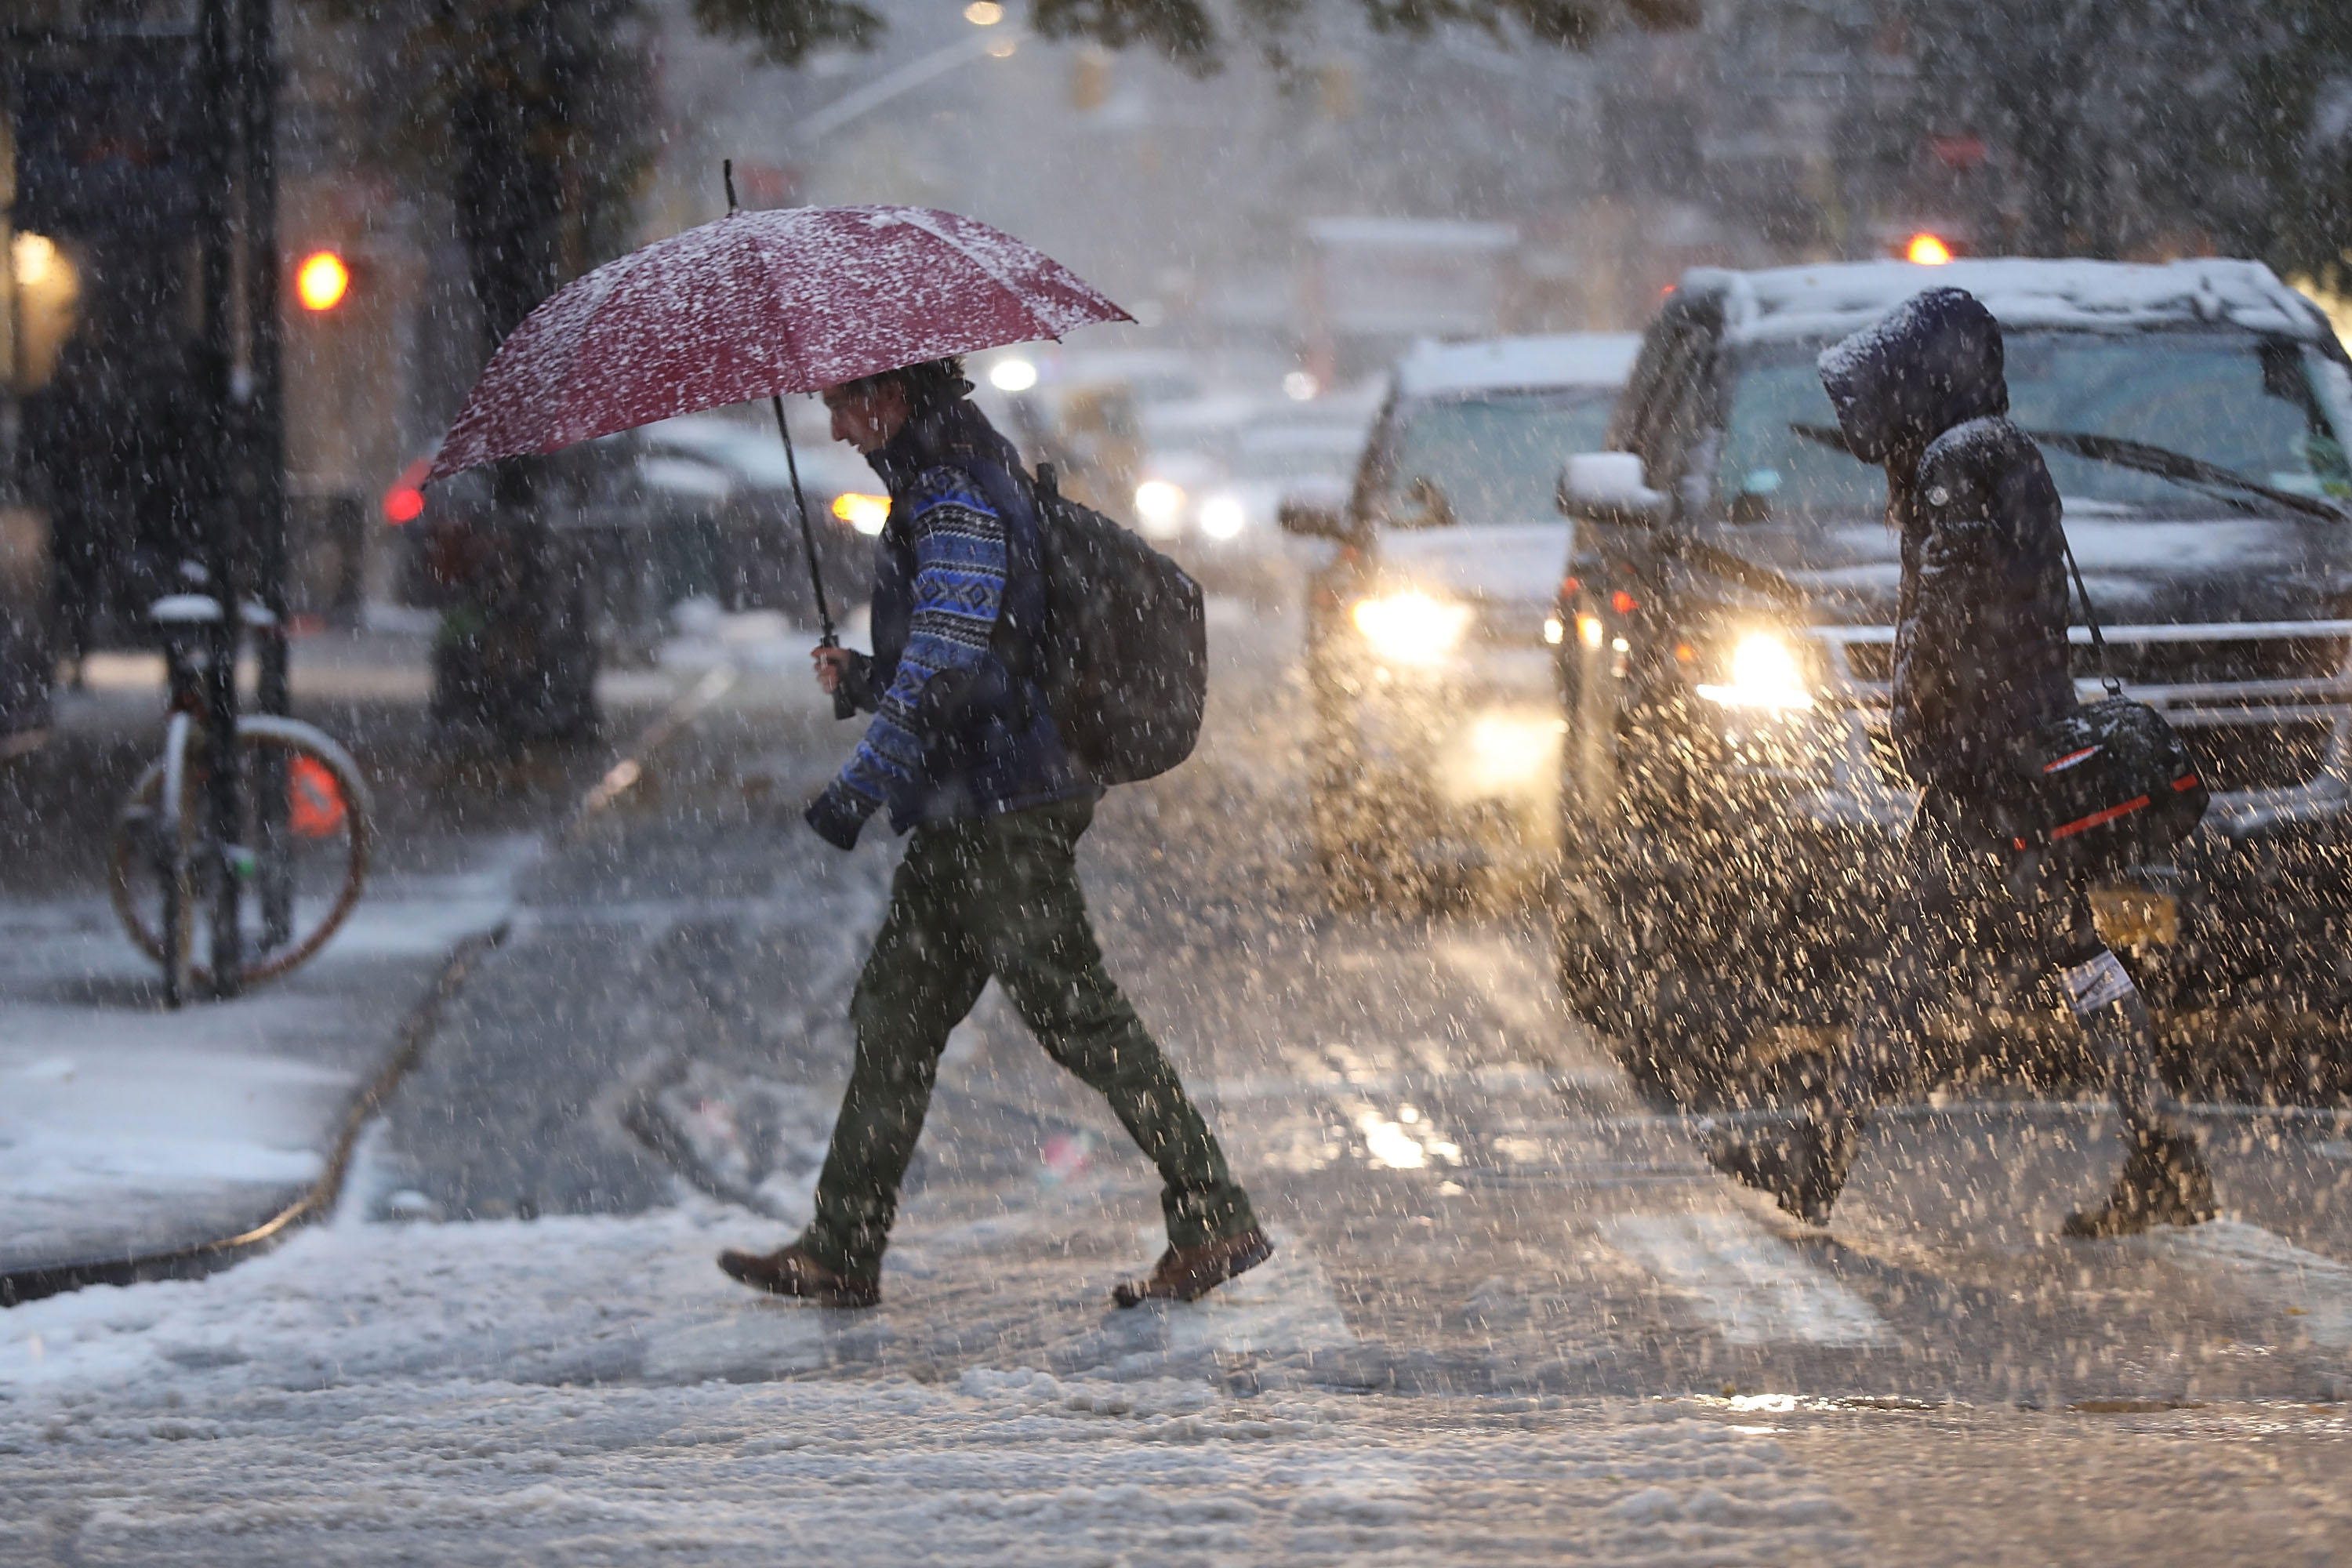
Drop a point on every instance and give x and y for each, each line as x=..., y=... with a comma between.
x=872, y=305
x=964, y=752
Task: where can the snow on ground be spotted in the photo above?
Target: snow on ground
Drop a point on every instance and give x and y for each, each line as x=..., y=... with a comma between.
x=109, y=1116
x=548, y=1391
x=128, y=1130
x=1011, y=1466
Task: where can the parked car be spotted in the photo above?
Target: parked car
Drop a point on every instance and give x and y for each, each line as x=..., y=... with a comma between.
x=760, y=561
x=1731, y=801
x=694, y=508
x=1435, y=755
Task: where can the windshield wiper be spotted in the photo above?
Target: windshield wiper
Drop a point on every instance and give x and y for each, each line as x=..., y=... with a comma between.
x=2166, y=463
x=2161, y=461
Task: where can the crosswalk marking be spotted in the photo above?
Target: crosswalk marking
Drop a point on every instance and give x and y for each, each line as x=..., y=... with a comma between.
x=2317, y=1289
x=1751, y=1288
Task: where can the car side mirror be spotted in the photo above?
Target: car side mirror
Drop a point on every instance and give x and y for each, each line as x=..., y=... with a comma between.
x=1316, y=511
x=1611, y=489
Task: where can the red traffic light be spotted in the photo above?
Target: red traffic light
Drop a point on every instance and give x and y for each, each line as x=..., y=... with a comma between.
x=322, y=281
x=405, y=502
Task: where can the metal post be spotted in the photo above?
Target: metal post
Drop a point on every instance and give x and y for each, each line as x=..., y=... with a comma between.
x=265, y=427
x=218, y=515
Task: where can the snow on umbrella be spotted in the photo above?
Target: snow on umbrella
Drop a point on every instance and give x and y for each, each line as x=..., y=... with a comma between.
x=755, y=305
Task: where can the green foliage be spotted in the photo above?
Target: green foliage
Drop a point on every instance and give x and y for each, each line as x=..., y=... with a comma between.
x=1187, y=31
x=785, y=31
x=2122, y=127
x=2301, y=90
x=1574, y=24
x=1180, y=29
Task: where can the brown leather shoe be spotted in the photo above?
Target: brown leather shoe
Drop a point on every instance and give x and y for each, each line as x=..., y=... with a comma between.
x=1189, y=1273
x=2164, y=1182
x=1802, y=1168
x=789, y=1271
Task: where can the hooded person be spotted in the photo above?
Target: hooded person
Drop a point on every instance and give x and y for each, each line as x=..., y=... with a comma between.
x=1980, y=661
x=964, y=754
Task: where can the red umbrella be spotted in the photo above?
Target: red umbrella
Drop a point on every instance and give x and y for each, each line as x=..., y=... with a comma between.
x=756, y=305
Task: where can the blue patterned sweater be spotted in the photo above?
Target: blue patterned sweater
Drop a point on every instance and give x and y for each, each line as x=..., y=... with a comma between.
x=959, y=728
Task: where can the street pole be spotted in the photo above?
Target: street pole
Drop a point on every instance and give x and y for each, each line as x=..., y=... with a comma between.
x=213, y=497
x=266, y=412
x=265, y=427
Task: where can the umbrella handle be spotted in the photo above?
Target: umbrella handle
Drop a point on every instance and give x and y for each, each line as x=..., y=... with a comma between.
x=844, y=706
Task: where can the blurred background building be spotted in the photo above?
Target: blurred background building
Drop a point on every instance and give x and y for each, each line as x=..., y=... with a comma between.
x=1279, y=225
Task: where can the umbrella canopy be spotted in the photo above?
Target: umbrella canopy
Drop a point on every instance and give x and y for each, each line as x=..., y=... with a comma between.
x=757, y=304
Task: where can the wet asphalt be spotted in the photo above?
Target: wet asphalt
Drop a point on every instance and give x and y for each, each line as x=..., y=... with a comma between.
x=1469, y=1196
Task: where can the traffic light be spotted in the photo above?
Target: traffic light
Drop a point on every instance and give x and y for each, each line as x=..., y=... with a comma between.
x=404, y=502
x=1928, y=249
x=322, y=281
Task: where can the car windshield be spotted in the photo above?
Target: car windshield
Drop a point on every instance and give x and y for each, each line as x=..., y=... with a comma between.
x=1298, y=457
x=2268, y=412
x=1488, y=458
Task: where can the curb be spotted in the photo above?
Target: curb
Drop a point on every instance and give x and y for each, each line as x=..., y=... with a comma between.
x=21, y=1285
x=195, y=1262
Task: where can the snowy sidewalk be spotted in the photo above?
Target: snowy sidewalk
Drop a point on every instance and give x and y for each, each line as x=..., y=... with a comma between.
x=126, y=1131
x=129, y=1134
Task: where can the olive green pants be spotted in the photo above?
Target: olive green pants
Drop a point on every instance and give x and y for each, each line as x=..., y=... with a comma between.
x=999, y=896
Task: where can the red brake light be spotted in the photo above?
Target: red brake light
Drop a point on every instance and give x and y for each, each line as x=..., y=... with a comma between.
x=1623, y=602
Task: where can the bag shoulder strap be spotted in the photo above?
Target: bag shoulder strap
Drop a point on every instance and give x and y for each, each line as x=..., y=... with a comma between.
x=2091, y=618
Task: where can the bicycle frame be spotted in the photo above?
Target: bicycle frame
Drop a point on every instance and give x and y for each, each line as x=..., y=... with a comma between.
x=200, y=663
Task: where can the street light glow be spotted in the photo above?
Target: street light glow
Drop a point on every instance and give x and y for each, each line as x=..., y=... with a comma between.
x=1927, y=250
x=983, y=13
x=322, y=281
x=1013, y=376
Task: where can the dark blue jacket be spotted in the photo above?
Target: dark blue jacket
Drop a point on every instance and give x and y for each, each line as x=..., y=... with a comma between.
x=961, y=728
x=1980, y=656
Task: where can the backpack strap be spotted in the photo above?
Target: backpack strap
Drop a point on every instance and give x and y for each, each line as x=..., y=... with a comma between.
x=2091, y=618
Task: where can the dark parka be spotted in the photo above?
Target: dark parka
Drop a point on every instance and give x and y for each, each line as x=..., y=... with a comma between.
x=1980, y=653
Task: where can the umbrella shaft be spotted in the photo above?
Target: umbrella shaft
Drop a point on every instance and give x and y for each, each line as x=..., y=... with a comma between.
x=808, y=535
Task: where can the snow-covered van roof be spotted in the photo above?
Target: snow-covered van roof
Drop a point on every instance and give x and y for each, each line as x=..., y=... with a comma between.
x=1832, y=299
x=1431, y=369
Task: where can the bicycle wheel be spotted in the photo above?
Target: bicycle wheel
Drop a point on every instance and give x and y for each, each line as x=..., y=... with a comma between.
x=327, y=840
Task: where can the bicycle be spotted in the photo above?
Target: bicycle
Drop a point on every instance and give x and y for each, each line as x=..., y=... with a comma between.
x=302, y=824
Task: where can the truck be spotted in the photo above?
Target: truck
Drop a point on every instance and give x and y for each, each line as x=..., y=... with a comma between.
x=1731, y=805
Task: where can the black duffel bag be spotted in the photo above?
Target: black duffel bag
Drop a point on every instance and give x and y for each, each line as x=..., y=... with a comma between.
x=2111, y=784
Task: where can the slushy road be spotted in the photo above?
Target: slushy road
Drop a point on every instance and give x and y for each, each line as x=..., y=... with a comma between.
x=1513, y=1317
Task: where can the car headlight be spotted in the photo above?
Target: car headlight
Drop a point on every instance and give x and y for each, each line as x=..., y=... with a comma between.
x=1767, y=671
x=1222, y=517
x=1160, y=506
x=864, y=514
x=1412, y=627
